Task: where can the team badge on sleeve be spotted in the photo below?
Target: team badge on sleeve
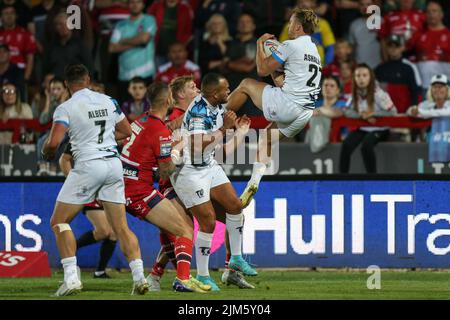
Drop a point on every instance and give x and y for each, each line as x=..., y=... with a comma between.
x=165, y=146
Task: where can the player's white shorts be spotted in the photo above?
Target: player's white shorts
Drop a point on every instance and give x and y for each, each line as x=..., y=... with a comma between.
x=192, y=184
x=100, y=179
x=289, y=116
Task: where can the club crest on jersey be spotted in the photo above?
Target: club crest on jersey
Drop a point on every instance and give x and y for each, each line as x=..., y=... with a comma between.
x=165, y=149
x=196, y=124
x=83, y=191
x=200, y=193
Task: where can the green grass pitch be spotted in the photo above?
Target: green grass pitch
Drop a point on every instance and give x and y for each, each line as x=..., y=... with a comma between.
x=279, y=285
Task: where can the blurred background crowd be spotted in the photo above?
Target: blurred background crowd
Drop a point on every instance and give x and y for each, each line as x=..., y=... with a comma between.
x=127, y=44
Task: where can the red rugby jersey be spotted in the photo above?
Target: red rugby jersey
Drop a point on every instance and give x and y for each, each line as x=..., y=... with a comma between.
x=176, y=112
x=167, y=72
x=149, y=144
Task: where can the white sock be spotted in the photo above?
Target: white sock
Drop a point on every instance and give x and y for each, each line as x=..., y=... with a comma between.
x=70, y=269
x=202, y=252
x=234, y=228
x=259, y=169
x=137, y=269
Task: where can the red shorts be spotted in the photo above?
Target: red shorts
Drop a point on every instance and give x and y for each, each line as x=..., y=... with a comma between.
x=140, y=205
x=92, y=206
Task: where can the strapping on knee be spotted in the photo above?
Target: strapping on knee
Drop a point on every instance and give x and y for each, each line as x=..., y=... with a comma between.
x=63, y=227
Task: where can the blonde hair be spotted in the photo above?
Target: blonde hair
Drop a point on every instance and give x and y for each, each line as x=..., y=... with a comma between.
x=225, y=31
x=307, y=18
x=177, y=85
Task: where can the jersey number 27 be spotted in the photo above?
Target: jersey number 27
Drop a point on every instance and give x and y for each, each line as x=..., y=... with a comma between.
x=315, y=70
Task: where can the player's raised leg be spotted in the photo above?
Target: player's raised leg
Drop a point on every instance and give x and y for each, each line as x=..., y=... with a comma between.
x=268, y=138
x=63, y=214
x=248, y=88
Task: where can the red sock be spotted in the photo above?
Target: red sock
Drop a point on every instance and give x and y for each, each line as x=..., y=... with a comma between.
x=227, y=260
x=183, y=252
x=158, y=269
x=167, y=244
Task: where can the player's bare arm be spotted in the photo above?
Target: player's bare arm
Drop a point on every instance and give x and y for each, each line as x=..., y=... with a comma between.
x=65, y=163
x=166, y=169
x=175, y=124
x=123, y=130
x=199, y=142
x=242, y=126
x=265, y=65
x=57, y=133
x=278, y=78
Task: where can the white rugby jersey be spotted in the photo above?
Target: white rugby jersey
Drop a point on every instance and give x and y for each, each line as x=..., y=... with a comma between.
x=91, y=118
x=201, y=118
x=302, y=69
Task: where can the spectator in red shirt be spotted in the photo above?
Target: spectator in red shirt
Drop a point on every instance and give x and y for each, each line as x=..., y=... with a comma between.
x=433, y=45
x=10, y=73
x=20, y=42
x=406, y=22
x=174, y=19
x=178, y=65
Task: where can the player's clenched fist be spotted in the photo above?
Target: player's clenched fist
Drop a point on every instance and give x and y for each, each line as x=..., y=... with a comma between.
x=229, y=119
x=265, y=37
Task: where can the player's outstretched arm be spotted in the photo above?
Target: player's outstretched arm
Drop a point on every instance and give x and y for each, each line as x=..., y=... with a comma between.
x=123, y=129
x=199, y=142
x=175, y=124
x=57, y=133
x=242, y=126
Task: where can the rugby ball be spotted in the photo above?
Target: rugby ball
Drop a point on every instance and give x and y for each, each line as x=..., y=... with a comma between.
x=271, y=45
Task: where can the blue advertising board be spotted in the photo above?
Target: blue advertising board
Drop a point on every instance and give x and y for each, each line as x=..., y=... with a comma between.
x=322, y=223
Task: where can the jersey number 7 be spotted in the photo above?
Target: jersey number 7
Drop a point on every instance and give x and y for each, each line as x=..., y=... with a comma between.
x=102, y=124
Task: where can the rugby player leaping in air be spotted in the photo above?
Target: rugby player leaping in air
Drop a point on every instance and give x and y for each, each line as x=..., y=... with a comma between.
x=290, y=104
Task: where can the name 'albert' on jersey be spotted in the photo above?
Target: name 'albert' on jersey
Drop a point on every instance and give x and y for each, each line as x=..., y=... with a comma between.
x=91, y=118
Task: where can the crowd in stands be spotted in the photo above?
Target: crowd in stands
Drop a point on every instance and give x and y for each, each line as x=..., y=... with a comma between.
x=127, y=44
